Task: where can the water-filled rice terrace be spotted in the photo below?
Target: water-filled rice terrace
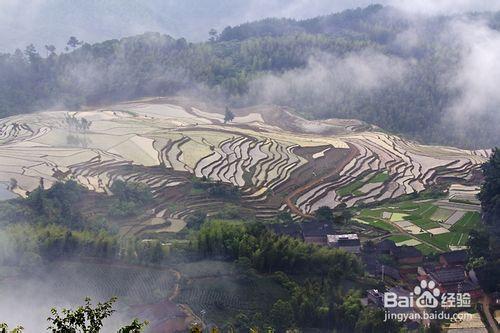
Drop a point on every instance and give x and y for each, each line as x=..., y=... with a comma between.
x=278, y=160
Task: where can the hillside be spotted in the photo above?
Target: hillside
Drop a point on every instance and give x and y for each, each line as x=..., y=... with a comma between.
x=278, y=161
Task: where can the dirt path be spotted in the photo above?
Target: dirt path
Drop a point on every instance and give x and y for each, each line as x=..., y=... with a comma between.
x=353, y=151
x=486, y=310
x=177, y=286
x=191, y=316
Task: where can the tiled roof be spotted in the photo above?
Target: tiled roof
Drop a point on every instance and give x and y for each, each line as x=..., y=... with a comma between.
x=448, y=275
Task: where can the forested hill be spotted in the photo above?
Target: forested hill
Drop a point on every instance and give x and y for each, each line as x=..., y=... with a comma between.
x=375, y=23
x=410, y=75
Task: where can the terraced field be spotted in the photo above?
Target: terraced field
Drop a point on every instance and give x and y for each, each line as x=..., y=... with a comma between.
x=222, y=291
x=280, y=161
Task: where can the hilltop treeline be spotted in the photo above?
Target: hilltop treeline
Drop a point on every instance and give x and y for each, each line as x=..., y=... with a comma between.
x=231, y=64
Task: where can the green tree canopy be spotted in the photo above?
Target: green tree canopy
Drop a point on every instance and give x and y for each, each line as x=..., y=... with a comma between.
x=490, y=191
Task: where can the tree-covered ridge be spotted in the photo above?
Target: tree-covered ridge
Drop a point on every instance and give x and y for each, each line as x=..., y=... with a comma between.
x=242, y=63
x=490, y=191
x=370, y=23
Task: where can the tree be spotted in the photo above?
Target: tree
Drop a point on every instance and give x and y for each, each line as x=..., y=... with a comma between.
x=284, y=217
x=135, y=327
x=282, y=315
x=341, y=214
x=73, y=42
x=51, y=50
x=350, y=309
x=228, y=115
x=213, y=35
x=490, y=190
x=478, y=244
x=324, y=214
x=4, y=328
x=88, y=319
x=32, y=53
x=372, y=320
x=12, y=183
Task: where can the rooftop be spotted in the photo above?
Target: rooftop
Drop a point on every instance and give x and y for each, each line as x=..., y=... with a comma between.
x=290, y=229
x=455, y=257
x=317, y=229
x=404, y=251
x=448, y=275
x=385, y=246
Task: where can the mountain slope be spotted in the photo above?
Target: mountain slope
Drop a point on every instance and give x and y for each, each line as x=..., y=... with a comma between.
x=278, y=160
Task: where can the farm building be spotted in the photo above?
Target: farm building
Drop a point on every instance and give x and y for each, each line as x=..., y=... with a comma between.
x=316, y=232
x=385, y=246
x=375, y=268
x=346, y=242
x=407, y=255
x=451, y=280
x=453, y=258
x=495, y=298
x=290, y=229
x=448, y=277
x=375, y=297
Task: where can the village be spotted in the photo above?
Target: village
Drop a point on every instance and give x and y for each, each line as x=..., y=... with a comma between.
x=404, y=265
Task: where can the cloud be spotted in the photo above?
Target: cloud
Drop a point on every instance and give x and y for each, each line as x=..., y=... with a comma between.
x=444, y=7
x=478, y=72
x=331, y=79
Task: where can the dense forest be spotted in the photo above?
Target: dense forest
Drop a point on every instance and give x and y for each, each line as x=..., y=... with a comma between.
x=361, y=63
x=484, y=243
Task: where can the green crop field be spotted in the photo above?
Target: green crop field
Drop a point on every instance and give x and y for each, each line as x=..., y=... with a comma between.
x=399, y=238
x=379, y=178
x=398, y=217
x=423, y=223
x=425, y=249
x=378, y=223
x=443, y=241
x=371, y=213
x=424, y=215
x=442, y=214
x=468, y=222
x=352, y=188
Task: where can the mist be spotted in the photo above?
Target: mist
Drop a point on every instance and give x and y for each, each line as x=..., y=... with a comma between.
x=39, y=22
x=28, y=297
x=470, y=82
x=330, y=79
x=478, y=75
